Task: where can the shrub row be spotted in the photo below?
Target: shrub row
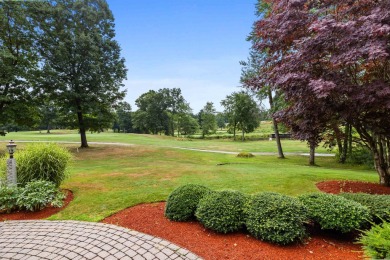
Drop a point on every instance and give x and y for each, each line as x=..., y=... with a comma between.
x=275, y=218
x=379, y=205
x=267, y=216
x=335, y=212
x=222, y=211
x=183, y=201
x=33, y=196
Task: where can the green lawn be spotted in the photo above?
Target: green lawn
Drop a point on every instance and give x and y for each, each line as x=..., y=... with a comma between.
x=165, y=141
x=106, y=178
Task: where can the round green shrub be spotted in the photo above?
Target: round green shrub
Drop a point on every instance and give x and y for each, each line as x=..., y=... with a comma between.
x=379, y=205
x=42, y=161
x=222, y=211
x=376, y=241
x=335, y=212
x=182, y=202
x=275, y=218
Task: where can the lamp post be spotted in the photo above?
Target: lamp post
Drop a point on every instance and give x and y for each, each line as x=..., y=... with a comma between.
x=11, y=165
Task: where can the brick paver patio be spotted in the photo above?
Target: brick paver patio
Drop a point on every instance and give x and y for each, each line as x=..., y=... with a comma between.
x=42, y=239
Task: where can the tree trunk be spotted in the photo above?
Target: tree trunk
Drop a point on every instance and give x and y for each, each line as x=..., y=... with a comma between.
x=277, y=137
x=312, y=154
x=234, y=132
x=243, y=135
x=48, y=129
x=343, y=155
x=83, y=136
x=338, y=138
x=276, y=128
x=382, y=169
x=350, y=141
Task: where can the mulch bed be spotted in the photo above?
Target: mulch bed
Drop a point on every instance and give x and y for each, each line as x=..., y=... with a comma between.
x=336, y=187
x=149, y=218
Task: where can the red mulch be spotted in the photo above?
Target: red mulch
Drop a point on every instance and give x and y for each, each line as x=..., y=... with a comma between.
x=336, y=187
x=45, y=213
x=149, y=218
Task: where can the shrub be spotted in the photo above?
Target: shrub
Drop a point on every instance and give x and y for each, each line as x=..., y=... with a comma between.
x=275, y=218
x=376, y=241
x=379, y=205
x=361, y=155
x=42, y=162
x=37, y=195
x=245, y=155
x=335, y=212
x=182, y=202
x=8, y=198
x=222, y=211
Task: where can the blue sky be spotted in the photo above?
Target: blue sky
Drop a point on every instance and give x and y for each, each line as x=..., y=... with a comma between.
x=195, y=45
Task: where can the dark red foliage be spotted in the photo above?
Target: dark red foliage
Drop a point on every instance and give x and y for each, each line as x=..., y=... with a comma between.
x=331, y=59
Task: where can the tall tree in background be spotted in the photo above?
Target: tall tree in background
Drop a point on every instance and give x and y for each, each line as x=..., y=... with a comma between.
x=242, y=112
x=160, y=111
x=18, y=59
x=207, y=120
x=123, y=112
x=82, y=67
x=331, y=59
x=255, y=66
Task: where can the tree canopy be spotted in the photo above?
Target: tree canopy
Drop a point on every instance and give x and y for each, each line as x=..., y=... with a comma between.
x=82, y=67
x=242, y=112
x=331, y=61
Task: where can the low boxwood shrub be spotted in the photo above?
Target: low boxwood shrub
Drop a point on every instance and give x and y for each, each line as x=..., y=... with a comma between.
x=379, y=205
x=275, y=218
x=182, y=202
x=8, y=198
x=376, y=241
x=222, y=211
x=335, y=212
x=42, y=161
x=37, y=195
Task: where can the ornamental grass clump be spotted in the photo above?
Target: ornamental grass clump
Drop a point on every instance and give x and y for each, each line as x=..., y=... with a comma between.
x=183, y=201
x=42, y=162
x=335, y=212
x=379, y=205
x=376, y=241
x=276, y=218
x=222, y=211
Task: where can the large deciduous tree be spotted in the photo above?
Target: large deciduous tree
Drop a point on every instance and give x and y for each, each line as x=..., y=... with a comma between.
x=82, y=67
x=254, y=67
x=331, y=59
x=160, y=111
x=18, y=58
x=207, y=120
x=242, y=112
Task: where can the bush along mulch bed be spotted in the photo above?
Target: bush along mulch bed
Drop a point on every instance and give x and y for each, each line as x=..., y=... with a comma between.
x=260, y=224
x=42, y=214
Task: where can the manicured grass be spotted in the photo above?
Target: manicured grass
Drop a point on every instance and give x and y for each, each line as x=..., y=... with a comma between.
x=165, y=141
x=108, y=178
